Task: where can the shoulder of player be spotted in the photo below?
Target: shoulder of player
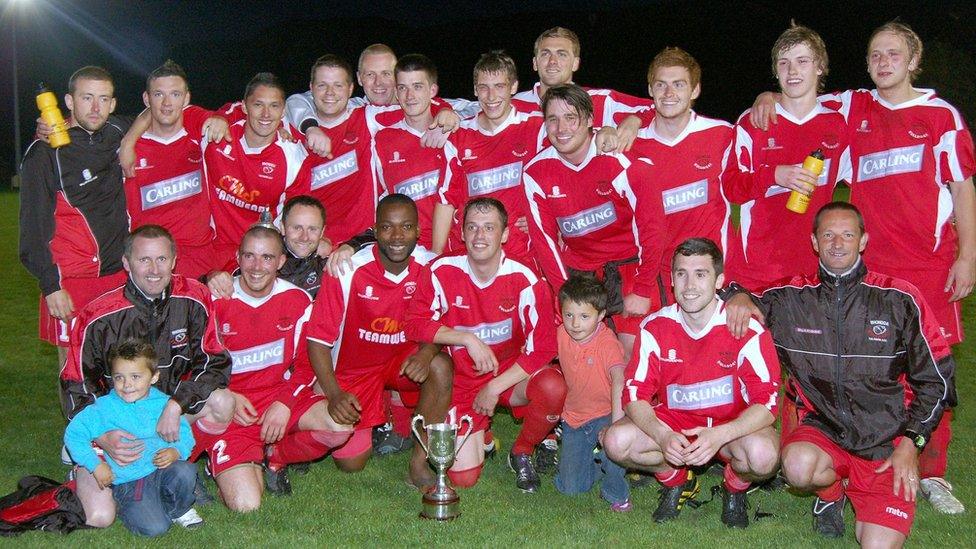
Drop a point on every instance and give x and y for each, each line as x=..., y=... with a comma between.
x=547, y=154
x=188, y=288
x=106, y=304
x=422, y=256
x=512, y=267
x=665, y=316
x=705, y=123
x=893, y=286
x=284, y=289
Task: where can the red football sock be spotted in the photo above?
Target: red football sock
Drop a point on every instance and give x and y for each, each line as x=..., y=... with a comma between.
x=401, y=419
x=832, y=492
x=465, y=478
x=934, y=458
x=733, y=482
x=547, y=394
x=302, y=446
x=673, y=477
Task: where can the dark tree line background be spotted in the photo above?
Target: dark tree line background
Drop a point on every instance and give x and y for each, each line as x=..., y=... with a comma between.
x=222, y=43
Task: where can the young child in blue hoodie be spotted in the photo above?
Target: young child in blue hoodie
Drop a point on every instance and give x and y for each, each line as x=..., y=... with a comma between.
x=156, y=490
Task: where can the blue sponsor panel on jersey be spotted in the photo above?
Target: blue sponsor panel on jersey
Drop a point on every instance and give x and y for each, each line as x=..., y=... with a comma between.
x=330, y=172
x=490, y=333
x=170, y=190
x=419, y=187
x=698, y=396
x=495, y=179
x=890, y=162
x=258, y=357
x=685, y=197
x=587, y=221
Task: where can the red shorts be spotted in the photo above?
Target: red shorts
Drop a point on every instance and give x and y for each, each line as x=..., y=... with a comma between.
x=195, y=261
x=82, y=291
x=627, y=324
x=870, y=493
x=238, y=444
x=931, y=284
x=368, y=387
x=678, y=421
x=462, y=402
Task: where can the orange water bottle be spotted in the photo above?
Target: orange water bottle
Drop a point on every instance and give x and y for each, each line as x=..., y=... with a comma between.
x=799, y=202
x=47, y=102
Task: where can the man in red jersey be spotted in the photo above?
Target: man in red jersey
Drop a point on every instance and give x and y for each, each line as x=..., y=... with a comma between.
x=486, y=156
x=358, y=347
x=686, y=154
x=695, y=392
x=911, y=174
x=166, y=184
x=250, y=174
x=582, y=210
x=278, y=417
x=175, y=314
x=497, y=316
x=772, y=240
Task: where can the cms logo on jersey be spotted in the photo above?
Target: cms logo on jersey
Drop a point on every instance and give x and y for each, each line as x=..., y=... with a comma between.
x=685, y=197
x=330, y=172
x=419, y=187
x=495, y=179
x=170, y=190
x=890, y=162
x=490, y=333
x=587, y=221
x=698, y=396
x=383, y=330
x=258, y=357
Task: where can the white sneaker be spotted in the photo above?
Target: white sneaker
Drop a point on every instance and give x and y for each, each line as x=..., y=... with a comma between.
x=189, y=520
x=939, y=493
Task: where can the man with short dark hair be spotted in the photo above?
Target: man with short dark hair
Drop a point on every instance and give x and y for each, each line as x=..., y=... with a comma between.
x=172, y=312
x=856, y=346
x=72, y=207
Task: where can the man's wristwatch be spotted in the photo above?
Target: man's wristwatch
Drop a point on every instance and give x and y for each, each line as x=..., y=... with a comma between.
x=733, y=288
x=918, y=440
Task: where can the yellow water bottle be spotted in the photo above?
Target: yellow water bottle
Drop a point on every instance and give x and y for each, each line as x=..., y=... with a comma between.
x=47, y=102
x=799, y=202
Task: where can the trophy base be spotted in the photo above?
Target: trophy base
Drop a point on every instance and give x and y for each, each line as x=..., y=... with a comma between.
x=441, y=506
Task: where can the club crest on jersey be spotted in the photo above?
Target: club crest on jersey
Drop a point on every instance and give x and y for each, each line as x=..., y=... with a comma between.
x=87, y=176
x=409, y=288
x=770, y=145
x=368, y=294
x=520, y=154
x=556, y=193
x=726, y=360
x=396, y=158
x=468, y=155
x=603, y=188
x=459, y=303
x=863, y=127
x=830, y=141
x=350, y=138
x=671, y=356
x=311, y=279
x=285, y=324
x=178, y=338
x=703, y=162
x=506, y=304
x=918, y=131
x=878, y=330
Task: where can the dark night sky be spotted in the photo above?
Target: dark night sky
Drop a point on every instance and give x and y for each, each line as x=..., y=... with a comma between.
x=222, y=43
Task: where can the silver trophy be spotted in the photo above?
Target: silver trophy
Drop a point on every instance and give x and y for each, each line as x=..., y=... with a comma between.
x=441, y=501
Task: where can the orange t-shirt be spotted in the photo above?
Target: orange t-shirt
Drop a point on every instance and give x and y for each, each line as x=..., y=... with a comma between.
x=586, y=366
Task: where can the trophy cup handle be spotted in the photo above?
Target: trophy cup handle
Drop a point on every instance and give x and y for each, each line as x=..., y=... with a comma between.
x=413, y=427
x=466, y=435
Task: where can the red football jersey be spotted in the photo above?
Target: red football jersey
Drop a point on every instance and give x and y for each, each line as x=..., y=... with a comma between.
x=608, y=105
x=512, y=313
x=403, y=166
x=709, y=375
x=902, y=158
x=685, y=175
x=344, y=184
x=773, y=242
x=168, y=188
x=266, y=340
x=243, y=182
x=582, y=216
x=490, y=164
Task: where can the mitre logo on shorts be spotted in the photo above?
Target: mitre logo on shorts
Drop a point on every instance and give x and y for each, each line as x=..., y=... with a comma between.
x=878, y=330
x=177, y=338
x=896, y=512
x=368, y=294
x=685, y=197
x=490, y=333
x=698, y=396
x=587, y=221
x=258, y=357
x=330, y=172
x=495, y=179
x=422, y=186
x=821, y=181
x=890, y=162
x=171, y=190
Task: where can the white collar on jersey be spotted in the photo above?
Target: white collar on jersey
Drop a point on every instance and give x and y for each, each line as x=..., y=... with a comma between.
x=166, y=140
x=927, y=94
x=817, y=110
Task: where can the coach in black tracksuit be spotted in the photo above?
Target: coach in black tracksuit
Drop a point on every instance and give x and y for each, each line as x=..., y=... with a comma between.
x=869, y=374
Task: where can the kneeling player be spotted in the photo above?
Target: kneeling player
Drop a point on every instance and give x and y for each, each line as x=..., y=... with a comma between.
x=498, y=317
x=278, y=418
x=357, y=344
x=716, y=394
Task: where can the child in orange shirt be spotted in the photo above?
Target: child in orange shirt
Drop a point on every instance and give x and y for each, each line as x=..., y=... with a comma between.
x=592, y=361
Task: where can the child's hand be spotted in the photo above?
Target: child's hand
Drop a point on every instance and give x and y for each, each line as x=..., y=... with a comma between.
x=103, y=475
x=165, y=457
